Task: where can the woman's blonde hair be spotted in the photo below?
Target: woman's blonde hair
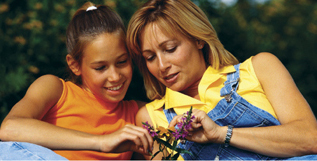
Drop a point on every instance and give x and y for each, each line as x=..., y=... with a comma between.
x=172, y=17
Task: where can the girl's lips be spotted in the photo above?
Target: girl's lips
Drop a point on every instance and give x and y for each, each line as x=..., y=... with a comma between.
x=115, y=88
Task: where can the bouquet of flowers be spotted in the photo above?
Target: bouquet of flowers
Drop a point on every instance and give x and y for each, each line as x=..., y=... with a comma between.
x=168, y=138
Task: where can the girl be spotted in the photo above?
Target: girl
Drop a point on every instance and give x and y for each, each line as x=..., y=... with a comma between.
x=84, y=118
x=251, y=110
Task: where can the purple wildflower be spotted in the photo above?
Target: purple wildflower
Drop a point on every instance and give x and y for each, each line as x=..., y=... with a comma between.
x=184, y=126
x=149, y=128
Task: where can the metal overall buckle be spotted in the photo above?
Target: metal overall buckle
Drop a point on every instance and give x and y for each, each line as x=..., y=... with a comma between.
x=228, y=97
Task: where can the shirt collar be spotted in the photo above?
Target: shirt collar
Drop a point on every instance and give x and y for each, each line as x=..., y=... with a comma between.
x=223, y=70
x=174, y=99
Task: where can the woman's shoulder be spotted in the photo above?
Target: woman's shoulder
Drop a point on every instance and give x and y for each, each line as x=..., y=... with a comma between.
x=265, y=63
x=260, y=61
x=264, y=58
x=143, y=116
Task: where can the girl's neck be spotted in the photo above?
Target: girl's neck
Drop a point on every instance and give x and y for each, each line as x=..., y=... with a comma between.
x=106, y=103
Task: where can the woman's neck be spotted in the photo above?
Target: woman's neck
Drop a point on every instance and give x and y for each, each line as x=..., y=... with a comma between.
x=192, y=90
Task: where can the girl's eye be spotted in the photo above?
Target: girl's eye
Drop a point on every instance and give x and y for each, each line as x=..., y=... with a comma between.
x=100, y=68
x=123, y=62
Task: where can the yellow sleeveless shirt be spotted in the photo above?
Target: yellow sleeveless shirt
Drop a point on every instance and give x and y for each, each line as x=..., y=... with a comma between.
x=209, y=93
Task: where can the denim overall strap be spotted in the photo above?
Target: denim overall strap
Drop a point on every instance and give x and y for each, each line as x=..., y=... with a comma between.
x=170, y=114
x=231, y=84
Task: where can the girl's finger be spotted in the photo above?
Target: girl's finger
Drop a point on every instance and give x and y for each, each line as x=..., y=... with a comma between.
x=143, y=136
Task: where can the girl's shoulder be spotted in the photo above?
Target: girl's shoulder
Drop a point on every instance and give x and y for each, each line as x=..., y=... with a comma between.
x=48, y=83
x=42, y=94
x=47, y=87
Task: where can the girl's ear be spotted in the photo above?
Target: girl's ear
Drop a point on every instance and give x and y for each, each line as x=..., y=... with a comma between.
x=200, y=44
x=73, y=65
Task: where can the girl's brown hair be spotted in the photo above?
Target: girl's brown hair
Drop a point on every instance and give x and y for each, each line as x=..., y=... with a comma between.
x=85, y=26
x=172, y=17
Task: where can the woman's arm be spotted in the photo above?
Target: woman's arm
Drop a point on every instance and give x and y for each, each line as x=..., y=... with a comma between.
x=24, y=124
x=143, y=116
x=298, y=133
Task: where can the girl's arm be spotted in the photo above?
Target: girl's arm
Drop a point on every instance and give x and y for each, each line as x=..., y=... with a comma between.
x=298, y=133
x=24, y=124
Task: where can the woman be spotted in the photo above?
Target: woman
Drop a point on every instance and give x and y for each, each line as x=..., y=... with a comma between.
x=254, y=109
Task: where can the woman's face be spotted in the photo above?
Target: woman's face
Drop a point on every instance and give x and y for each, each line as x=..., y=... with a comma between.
x=106, y=68
x=177, y=62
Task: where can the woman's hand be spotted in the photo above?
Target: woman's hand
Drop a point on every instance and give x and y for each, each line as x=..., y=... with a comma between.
x=204, y=130
x=128, y=138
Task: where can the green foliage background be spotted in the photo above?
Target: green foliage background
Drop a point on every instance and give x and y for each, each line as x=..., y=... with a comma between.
x=32, y=39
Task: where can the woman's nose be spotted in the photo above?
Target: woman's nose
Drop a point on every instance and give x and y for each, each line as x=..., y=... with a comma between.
x=163, y=63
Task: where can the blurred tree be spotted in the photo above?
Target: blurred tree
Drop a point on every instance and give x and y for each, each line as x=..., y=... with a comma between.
x=288, y=29
x=33, y=39
x=33, y=43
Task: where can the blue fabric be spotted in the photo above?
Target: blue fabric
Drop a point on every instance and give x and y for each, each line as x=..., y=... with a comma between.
x=236, y=111
x=26, y=151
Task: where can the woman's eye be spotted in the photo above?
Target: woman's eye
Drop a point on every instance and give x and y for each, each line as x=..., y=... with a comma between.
x=150, y=58
x=170, y=50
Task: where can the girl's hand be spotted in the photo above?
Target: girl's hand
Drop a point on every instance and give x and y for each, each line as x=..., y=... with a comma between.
x=204, y=130
x=128, y=138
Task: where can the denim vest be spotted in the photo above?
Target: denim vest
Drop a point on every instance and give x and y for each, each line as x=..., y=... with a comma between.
x=231, y=110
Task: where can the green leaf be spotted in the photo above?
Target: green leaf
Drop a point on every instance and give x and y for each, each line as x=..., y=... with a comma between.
x=154, y=154
x=164, y=143
x=174, y=157
x=174, y=144
x=179, y=150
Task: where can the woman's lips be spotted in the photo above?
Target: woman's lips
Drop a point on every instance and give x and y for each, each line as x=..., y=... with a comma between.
x=171, y=78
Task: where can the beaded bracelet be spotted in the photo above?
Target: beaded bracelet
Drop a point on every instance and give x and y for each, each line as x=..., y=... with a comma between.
x=228, y=136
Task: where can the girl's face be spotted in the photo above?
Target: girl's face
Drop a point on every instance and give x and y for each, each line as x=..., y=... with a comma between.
x=177, y=62
x=106, y=68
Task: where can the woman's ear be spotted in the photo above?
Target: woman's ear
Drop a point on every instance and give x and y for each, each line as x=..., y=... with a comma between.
x=200, y=44
x=73, y=65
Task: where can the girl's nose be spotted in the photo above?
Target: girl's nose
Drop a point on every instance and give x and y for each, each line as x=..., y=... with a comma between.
x=114, y=74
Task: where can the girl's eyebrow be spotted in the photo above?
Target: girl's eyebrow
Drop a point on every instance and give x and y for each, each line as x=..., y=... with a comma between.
x=102, y=61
